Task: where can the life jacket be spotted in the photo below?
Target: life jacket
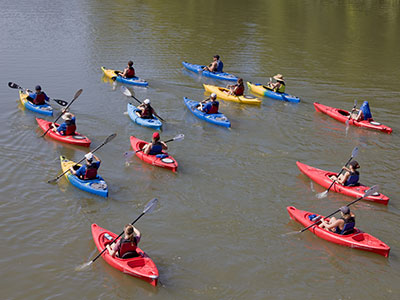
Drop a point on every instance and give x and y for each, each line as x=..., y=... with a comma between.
x=71, y=127
x=353, y=179
x=348, y=226
x=156, y=149
x=366, y=111
x=39, y=98
x=220, y=66
x=130, y=73
x=281, y=88
x=147, y=112
x=126, y=247
x=91, y=171
x=214, y=108
x=239, y=90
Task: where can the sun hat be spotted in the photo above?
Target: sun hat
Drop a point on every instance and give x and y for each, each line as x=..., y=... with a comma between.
x=67, y=116
x=89, y=156
x=279, y=77
x=146, y=101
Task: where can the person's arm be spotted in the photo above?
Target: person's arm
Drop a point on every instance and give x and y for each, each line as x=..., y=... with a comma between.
x=137, y=233
x=113, y=249
x=333, y=224
x=164, y=145
x=359, y=115
x=96, y=158
x=147, y=148
x=344, y=177
x=62, y=128
x=123, y=74
x=46, y=98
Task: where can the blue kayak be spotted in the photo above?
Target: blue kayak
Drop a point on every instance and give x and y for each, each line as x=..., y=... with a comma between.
x=152, y=123
x=95, y=186
x=217, y=119
x=216, y=75
x=113, y=74
x=44, y=109
x=260, y=89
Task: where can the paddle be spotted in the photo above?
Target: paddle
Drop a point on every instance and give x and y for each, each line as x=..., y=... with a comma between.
x=354, y=153
x=108, y=139
x=128, y=93
x=64, y=110
x=16, y=86
x=348, y=119
x=369, y=192
x=148, y=209
x=178, y=138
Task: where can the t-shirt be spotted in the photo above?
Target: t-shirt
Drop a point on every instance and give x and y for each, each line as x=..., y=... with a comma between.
x=82, y=170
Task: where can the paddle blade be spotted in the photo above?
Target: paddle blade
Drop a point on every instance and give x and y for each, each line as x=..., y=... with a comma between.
x=83, y=266
x=77, y=94
x=355, y=152
x=322, y=195
x=110, y=138
x=150, y=206
x=179, y=137
x=371, y=191
x=125, y=91
x=14, y=85
x=60, y=102
x=52, y=181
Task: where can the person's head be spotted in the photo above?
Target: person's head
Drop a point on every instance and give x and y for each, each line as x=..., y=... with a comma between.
x=89, y=158
x=38, y=88
x=67, y=116
x=216, y=57
x=213, y=96
x=146, y=102
x=129, y=232
x=240, y=81
x=345, y=210
x=279, y=78
x=156, y=137
x=130, y=63
x=354, y=164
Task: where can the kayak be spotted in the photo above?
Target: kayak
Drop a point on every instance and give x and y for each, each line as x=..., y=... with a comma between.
x=44, y=109
x=343, y=115
x=222, y=93
x=141, y=267
x=114, y=76
x=216, y=75
x=76, y=139
x=259, y=89
x=322, y=178
x=358, y=239
x=152, y=123
x=95, y=186
x=160, y=160
x=217, y=119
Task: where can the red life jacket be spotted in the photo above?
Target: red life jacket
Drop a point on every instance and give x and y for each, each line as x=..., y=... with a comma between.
x=214, y=108
x=70, y=129
x=126, y=246
x=239, y=90
x=91, y=172
x=147, y=112
x=130, y=73
x=39, y=99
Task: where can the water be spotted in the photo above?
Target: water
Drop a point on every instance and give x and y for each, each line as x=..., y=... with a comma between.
x=219, y=231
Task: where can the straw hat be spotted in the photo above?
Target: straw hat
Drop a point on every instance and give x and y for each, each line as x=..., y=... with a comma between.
x=279, y=77
x=67, y=116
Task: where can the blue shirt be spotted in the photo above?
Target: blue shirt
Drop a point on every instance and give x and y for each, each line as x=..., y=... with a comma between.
x=33, y=96
x=82, y=170
x=63, y=126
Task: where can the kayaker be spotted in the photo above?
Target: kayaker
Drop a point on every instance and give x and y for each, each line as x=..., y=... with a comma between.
x=216, y=65
x=39, y=97
x=279, y=85
x=88, y=170
x=68, y=127
x=210, y=105
x=129, y=71
x=156, y=146
x=147, y=110
x=344, y=225
x=236, y=89
x=364, y=113
x=126, y=246
x=350, y=177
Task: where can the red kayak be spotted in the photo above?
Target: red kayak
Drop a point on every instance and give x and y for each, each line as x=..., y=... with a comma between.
x=164, y=160
x=76, y=139
x=357, y=239
x=322, y=178
x=343, y=115
x=141, y=267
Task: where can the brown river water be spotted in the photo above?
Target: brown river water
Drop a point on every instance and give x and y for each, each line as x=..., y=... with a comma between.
x=220, y=228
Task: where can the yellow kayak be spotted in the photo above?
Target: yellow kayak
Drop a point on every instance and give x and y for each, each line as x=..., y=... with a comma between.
x=113, y=74
x=222, y=93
